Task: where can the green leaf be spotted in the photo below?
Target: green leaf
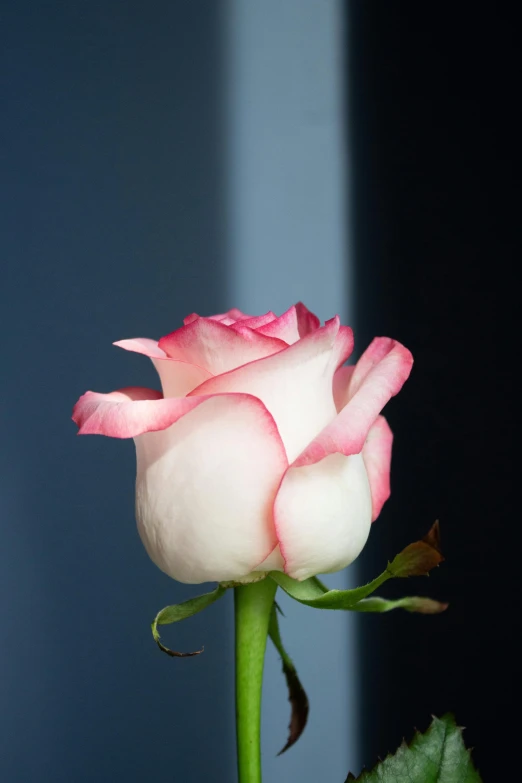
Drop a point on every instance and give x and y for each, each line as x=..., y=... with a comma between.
x=438, y=756
x=296, y=693
x=415, y=560
x=178, y=612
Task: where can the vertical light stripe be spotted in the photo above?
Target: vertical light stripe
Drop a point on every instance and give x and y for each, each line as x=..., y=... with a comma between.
x=287, y=235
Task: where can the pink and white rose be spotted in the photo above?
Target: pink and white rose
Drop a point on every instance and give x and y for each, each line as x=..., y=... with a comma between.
x=264, y=451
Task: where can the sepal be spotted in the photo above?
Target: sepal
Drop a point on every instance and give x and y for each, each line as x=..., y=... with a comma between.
x=178, y=612
x=413, y=603
x=415, y=560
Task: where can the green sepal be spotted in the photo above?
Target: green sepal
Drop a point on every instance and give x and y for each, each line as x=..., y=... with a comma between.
x=178, y=612
x=412, y=603
x=296, y=693
x=438, y=756
x=417, y=559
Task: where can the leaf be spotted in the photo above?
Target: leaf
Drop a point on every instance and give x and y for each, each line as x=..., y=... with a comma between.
x=438, y=756
x=410, y=603
x=296, y=693
x=178, y=612
x=417, y=559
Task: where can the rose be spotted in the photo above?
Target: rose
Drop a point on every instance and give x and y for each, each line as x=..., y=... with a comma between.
x=264, y=451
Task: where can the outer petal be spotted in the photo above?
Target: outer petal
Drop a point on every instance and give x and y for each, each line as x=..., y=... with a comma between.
x=295, y=384
x=378, y=349
x=143, y=345
x=215, y=347
x=205, y=490
x=347, y=433
x=177, y=378
x=309, y=535
x=377, y=458
x=192, y=317
x=323, y=515
x=129, y=412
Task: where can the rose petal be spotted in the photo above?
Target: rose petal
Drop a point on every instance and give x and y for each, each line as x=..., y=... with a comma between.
x=341, y=385
x=285, y=327
x=177, y=378
x=128, y=412
x=253, y=335
x=236, y=314
x=142, y=345
x=192, y=317
x=383, y=378
x=307, y=321
x=295, y=384
x=323, y=515
x=254, y=322
x=296, y=323
x=227, y=318
x=376, y=454
x=378, y=349
x=212, y=345
x=274, y=562
x=206, y=487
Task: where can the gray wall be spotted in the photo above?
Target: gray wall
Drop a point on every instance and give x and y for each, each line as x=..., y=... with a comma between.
x=289, y=239
x=121, y=204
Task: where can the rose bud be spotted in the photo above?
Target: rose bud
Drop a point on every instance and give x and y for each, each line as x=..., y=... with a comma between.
x=264, y=451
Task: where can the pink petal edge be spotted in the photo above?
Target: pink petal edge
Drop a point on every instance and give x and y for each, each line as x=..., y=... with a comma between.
x=129, y=412
x=217, y=348
x=347, y=433
x=142, y=345
x=377, y=452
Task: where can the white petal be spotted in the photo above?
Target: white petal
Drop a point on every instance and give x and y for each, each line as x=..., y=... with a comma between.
x=274, y=561
x=179, y=378
x=205, y=490
x=323, y=514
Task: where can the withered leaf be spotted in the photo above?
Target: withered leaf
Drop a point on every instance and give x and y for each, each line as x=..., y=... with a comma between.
x=418, y=558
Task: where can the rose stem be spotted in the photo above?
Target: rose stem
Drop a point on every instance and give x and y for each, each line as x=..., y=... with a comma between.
x=253, y=604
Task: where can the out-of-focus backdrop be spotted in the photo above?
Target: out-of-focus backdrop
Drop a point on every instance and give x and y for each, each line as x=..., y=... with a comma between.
x=176, y=156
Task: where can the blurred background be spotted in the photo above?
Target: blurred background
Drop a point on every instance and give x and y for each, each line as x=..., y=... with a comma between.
x=162, y=158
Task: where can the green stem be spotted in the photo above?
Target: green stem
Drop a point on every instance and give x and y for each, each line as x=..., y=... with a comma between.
x=253, y=604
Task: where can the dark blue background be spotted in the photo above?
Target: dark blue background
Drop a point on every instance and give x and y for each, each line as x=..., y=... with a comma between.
x=111, y=226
